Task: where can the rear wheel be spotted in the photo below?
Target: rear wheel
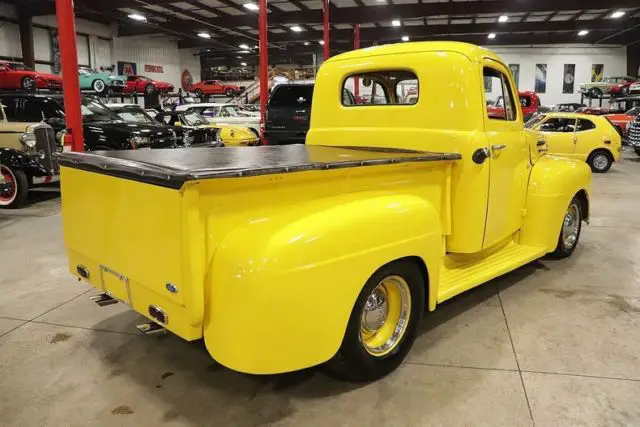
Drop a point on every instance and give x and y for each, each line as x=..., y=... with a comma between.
x=28, y=83
x=16, y=195
x=570, y=231
x=594, y=92
x=229, y=92
x=382, y=325
x=198, y=93
x=149, y=89
x=99, y=86
x=600, y=161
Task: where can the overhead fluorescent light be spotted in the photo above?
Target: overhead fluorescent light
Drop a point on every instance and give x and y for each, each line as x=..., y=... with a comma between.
x=405, y=38
x=492, y=35
x=255, y=47
x=244, y=46
x=138, y=17
x=306, y=43
x=503, y=18
x=239, y=57
x=204, y=35
x=618, y=14
x=321, y=42
x=296, y=28
x=583, y=32
x=244, y=64
x=251, y=6
x=395, y=23
x=243, y=51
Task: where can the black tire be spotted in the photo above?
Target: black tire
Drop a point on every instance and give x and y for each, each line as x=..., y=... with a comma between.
x=198, y=93
x=99, y=86
x=562, y=249
x=149, y=89
x=28, y=84
x=20, y=189
x=637, y=150
x=255, y=132
x=595, y=92
x=353, y=362
x=229, y=93
x=600, y=161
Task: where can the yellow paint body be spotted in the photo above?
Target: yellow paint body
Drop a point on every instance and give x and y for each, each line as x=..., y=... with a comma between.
x=580, y=144
x=268, y=268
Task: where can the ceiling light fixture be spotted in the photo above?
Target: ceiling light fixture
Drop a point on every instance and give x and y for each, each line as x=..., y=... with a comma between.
x=239, y=57
x=255, y=47
x=405, y=38
x=583, y=32
x=296, y=28
x=618, y=14
x=244, y=51
x=492, y=35
x=244, y=46
x=204, y=35
x=244, y=64
x=138, y=17
x=306, y=43
x=321, y=42
x=395, y=23
x=251, y=6
x=503, y=18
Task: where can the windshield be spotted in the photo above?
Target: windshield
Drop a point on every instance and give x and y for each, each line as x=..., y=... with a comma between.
x=209, y=111
x=534, y=121
x=93, y=111
x=134, y=115
x=634, y=111
x=292, y=96
x=194, y=119
x=17, y=66
x=229, y=111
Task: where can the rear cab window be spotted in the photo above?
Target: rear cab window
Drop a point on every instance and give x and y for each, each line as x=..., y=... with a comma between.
x=291, y=96
x=385, y=87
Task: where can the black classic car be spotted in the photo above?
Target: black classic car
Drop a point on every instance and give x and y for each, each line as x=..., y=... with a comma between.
x=103, y=129
x=186, y=136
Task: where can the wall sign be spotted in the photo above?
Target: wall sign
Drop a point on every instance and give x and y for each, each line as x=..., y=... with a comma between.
x=569, y=78
x=541, y=78
x=127, y=68
x=597, y=72
x=186, y=80
x=515, y=73
x=148, y=68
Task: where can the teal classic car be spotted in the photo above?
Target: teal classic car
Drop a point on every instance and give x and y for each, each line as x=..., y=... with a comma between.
x=100, y=81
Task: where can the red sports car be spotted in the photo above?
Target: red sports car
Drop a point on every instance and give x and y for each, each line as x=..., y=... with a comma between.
x=141, y=84
x=622, y=120
x=529, y=103
x=14, y=75
x=214, y=87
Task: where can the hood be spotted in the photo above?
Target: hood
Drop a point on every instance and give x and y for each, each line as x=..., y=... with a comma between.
x=130, y=129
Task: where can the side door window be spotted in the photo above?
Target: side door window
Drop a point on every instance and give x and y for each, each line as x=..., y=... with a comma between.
x=585, y=125
x=497, y=87
x=558, y=124
x=33, y=111
x=11, y=108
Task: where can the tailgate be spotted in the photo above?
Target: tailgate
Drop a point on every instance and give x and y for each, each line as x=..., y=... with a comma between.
x=288, y=118
x=129, y=237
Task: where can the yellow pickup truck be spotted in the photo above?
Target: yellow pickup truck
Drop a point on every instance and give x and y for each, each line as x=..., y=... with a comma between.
x=285, y=257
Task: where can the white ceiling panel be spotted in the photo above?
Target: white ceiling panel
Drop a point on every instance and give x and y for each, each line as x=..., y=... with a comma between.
x=534, y=18
x=461, y=21
x=286, y=7
x=205, y=13
x=437, y=22
x=181, y=15
x=277, y=30
x=405, y=1
x=561, y=18
x=343, y=26
x=344, y=3
x=486, y=20
x=212, y=3
x=157, y=8
x=312, y=4
x=232, y=11
x=374, y=2
x=368, y=25
x=588, y=16
x=413, y=23
x=183, y=5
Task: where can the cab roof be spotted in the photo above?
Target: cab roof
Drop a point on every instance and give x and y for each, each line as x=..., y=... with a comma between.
x=473, y=52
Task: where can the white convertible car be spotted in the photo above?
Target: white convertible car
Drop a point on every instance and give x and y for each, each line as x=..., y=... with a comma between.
x=224, y=114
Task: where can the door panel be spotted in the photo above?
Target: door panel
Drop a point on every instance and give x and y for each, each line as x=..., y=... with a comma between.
x=559, y=132
x=509, y=160
x=587, y=139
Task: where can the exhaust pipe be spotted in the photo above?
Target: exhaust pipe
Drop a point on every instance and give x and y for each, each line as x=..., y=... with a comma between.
x=151, y=328
x=103, y=299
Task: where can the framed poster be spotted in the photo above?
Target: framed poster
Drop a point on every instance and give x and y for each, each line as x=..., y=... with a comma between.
x=597, y=72
x=515, y=73
x=541, y=78
x=127, y=68
x=569, y=78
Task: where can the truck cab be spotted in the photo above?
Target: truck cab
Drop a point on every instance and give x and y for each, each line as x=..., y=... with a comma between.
x=390, y=208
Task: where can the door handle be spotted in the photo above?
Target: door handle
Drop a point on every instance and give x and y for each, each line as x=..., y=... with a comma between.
x=541, y=143
x=497, y=149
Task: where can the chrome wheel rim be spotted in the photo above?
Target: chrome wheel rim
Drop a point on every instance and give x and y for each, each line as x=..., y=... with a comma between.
x=571, y=226
x=385, y=316
x=98, y=86
x=600, y=161
x=27, y=83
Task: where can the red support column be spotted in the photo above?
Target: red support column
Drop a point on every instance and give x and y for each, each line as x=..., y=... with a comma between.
x=356, y=45
x=264, y=63
x=70, y=79
x=325, y=20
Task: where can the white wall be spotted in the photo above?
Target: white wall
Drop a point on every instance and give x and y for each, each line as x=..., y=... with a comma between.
x=583, y=56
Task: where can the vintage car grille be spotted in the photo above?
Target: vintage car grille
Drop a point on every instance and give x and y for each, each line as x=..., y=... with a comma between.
x=634, y=133
x=45, y=147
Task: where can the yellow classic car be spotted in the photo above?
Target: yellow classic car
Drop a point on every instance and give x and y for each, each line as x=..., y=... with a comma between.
x=285, y=257
x=589, y=138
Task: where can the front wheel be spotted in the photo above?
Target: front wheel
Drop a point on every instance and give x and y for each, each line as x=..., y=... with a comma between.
x=600, y=161
x=16, y=194
x=28, y=84
x=383, y=323
x=99, y=86
x=570, y=231
x=229, y=92
x=198, y=93
x=149, y=89
x=595, y=93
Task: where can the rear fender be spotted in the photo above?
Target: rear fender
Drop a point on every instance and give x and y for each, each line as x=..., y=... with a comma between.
x=282, y=289
x=553, y=182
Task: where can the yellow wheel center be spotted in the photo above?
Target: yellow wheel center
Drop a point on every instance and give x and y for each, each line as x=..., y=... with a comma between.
x=385, y=316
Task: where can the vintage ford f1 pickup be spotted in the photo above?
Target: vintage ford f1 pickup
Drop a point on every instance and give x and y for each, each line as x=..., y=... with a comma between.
x=285, y=257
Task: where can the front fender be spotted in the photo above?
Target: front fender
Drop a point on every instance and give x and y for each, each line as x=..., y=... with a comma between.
x=553, y=182
x=19, y=160
x=282, y=289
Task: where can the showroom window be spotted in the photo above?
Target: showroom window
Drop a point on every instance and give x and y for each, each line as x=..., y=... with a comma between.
x=584, y=124
x=558, y=124
x=393, y=87
x=500, y=100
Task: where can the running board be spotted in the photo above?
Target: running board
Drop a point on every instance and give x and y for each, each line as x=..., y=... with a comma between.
x=151, y=328
x=103, y=299
x=461, y=272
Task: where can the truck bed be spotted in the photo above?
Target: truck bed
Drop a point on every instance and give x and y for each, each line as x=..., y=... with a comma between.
x=173, y=167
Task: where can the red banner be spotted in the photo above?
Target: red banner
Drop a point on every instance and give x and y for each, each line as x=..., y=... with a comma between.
x=148, y=68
